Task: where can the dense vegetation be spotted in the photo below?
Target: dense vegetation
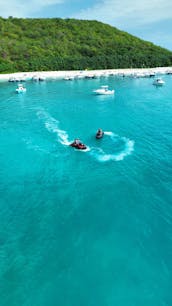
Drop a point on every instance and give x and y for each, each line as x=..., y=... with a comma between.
x=69, y=44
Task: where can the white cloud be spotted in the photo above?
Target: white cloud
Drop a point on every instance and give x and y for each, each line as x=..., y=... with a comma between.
x=19, y=8
x=123, y=13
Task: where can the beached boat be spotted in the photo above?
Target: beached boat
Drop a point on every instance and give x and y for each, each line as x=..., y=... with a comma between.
x=90, y=76
x=13, y=79
x=79, y=76
x=38, y=78
x=42, y=78
x=35, y=78
x=20, y=88
x=152, y=74
x=68, y=78
x=158, y=82
x=104, y=90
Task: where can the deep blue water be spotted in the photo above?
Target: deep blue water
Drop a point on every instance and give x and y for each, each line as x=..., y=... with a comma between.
x=86, y=228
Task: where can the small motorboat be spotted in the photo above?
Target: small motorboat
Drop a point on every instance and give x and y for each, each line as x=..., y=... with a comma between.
x=99, y=134
x=104, y=90
x=68, y=78
x=35, y=78
x=78, y=145
x=152, y=74
x=13, y=79
x=20, y=88
x=158, y=82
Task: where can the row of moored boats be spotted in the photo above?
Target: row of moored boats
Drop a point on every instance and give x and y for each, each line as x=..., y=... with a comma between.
x=103, y=90
x=25, y=78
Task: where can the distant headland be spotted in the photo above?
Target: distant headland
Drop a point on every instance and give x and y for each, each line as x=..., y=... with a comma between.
x=68, y=45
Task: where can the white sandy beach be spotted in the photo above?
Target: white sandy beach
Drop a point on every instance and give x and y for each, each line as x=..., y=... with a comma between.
x=85, y=73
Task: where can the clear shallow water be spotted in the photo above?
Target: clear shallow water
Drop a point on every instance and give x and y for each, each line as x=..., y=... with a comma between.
x=86, y=228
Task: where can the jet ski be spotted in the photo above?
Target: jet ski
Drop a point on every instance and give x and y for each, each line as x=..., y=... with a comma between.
x=78, y=145
x=99, y=134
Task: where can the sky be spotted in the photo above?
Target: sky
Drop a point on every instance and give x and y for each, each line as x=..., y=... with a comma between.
x=149, y=20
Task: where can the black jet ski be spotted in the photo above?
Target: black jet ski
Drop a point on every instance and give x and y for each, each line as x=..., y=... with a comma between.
x=99, y=134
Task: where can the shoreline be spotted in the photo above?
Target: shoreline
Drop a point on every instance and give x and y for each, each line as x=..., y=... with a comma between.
x=140, y=72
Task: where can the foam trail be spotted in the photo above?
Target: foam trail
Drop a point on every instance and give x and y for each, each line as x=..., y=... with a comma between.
x=63, y=137
x=102, y=156
x=52, y=125
x=109, y=133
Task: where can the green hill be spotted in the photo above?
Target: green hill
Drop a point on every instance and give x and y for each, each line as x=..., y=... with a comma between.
x=69, y=44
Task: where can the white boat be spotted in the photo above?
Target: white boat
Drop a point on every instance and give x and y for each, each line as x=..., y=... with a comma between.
x=38, y=78
x=12, y=79
x=158, y=82
x=90, y=76
x=152, y=74
x=42, y=78
x=79, y=76
x=20, y=88
x=68, y=78
x=104, y=90
x=35, y=78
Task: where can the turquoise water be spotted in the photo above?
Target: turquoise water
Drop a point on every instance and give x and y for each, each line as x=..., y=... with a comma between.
x=87, y=228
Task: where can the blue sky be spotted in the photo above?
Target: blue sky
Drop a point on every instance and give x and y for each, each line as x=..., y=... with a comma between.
x=150, y=20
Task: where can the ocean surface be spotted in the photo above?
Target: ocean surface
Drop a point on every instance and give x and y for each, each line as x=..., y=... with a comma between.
x=87, y=228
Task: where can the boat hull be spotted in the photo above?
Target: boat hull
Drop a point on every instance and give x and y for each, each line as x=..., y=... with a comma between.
x=78, y=146
x=104, y=92
x=158, y=82
x=98, y=136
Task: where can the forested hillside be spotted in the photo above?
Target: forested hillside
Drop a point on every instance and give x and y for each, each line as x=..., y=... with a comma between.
x=70, y=44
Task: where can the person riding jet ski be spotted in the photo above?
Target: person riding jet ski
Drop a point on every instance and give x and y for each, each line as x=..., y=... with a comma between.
x=99, y=134
x=78, y=144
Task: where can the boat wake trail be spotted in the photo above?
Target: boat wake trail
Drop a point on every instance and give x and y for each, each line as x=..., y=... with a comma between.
x=120, y=147
x=52, y=125
x=117, y=148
